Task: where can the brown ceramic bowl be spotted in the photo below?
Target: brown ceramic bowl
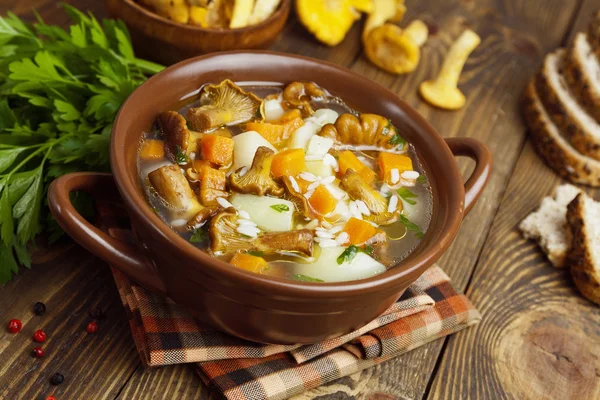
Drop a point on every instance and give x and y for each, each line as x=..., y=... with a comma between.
x=248, y=305
x=162, y=40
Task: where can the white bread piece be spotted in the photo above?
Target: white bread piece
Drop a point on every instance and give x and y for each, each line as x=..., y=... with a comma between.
x=582, y=72
x=556, y=150
x=584, y=257
x=573, y=121
x=548, y=224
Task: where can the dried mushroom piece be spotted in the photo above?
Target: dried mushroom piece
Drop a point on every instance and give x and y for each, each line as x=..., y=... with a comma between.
x=257, y=180
x=367, y=129
x=359, y=190
x=179, y=140
x=395, y=50
x=174, y=190
x=226, y=240
x=329, y=21
x=300, y=94
x=443, y=92
x=383, y=11
x=228, y=105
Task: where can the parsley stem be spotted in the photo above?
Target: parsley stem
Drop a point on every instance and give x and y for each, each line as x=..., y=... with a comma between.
x=44, y=146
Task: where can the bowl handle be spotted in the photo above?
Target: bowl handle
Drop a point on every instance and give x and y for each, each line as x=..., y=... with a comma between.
x=121, y=255
x=482, y=156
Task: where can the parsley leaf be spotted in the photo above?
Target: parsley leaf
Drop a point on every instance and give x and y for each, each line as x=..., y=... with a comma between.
x=256, y=253
x=180, y=156
x=280, y=207
x=407, y=195
x=348, y=254
x=304, y=278
x=199, y=235
x=410, y=226
x=397, y=140
x=421, y=179
x=61, y=90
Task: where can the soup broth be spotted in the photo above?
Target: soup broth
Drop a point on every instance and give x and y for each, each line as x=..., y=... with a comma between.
x=287, y=181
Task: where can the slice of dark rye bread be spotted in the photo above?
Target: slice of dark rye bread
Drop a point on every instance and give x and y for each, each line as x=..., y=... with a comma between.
x=553, y=147
x=581, y=129
x=582, y=72
x=583, y=216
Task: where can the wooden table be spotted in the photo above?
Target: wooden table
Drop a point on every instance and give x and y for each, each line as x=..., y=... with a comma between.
x=538, y=338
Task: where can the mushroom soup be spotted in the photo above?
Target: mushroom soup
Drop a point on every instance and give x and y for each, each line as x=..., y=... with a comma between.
x=286, y=181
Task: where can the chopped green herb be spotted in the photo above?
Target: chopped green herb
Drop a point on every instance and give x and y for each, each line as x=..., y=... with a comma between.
x=304, y=278
x=369, y=250
x=256, y=253
x=181, y=157
x=348, y=254
x=410, y=226
x=199, y=235
x=407, y=195
x=280, y=207
x=397, y=140
x=421, y=179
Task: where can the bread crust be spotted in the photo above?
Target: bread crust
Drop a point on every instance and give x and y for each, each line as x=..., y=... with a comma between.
x=548, y=145
x=575, y=132
x=585, y=273
x=580, y=80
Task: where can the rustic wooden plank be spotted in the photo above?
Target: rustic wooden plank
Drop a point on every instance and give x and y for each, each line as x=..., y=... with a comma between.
x=539, y=338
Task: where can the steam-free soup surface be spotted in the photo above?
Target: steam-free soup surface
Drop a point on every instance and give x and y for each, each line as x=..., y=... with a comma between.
x=287, y=181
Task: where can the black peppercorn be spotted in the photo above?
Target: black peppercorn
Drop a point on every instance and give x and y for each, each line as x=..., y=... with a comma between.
x=39, y=308
x=96, y=313
x=57, y=379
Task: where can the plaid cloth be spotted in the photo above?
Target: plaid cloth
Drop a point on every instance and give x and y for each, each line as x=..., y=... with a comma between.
x=233, y=368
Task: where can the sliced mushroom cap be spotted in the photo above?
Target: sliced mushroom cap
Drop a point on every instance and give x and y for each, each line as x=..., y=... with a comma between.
x=178, y=138
x=228, y=105
x=368, y=129
x=257, y=180
x=225, y=238
x=358, y=189
x=300, y=94
x=298, y=199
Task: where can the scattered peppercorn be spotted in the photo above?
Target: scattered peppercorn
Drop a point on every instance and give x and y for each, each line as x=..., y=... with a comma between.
x=39, y=308
x=50, y=398
x=14, y=326
x=38, y=352
x=57, y=379
x=92, y=327
x=96, y=313
x=39, y=336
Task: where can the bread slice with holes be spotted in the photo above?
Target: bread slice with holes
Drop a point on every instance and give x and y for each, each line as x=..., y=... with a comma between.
x=583, y=216
x=577, y=126
x=548, y=141
x=548, y=224
x=582, y=72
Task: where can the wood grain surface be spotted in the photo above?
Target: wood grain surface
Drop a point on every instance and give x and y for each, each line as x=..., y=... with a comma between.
x=538, y=339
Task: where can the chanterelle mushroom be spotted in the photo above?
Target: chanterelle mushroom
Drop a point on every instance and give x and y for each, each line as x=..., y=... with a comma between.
x=396, y=50
x=443, y=92
x=257, y=180
x=228, y=105
x=172, y=187
x=179, y=140
x=367, y=129
x=225, y=238
x=383, y=11
x=359, y=190
x=328, y=20
x=299, y=95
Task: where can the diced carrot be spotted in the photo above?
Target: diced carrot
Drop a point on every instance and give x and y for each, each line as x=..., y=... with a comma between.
x=275, y=133
x=198, y=165
x=346, y=160
x=322, y=201
x=359, y=231
x=152, y=149
x=248, y=262
x=217, y=149
x=288, y=162
x=368, y=175
x=288, y=116
x=208, y=197
x=212, y=178
x=388, y=162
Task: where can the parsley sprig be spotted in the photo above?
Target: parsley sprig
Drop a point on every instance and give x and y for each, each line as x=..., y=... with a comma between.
x=351, y=252
x=411, y=226
x=61, y=90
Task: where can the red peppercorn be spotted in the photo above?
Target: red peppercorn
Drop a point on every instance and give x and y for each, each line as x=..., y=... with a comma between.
x=39, y=336
x=38, y=352
x=50, y=398
x=14, y=326
x=92, y=327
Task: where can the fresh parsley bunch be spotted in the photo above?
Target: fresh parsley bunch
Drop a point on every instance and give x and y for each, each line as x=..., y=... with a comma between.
x=59, y=93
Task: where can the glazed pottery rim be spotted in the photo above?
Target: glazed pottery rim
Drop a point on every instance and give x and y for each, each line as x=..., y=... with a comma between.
x=416, y=262
x=149, y=14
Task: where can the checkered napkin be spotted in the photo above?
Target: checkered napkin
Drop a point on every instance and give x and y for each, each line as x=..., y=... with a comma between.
x=233, y=368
